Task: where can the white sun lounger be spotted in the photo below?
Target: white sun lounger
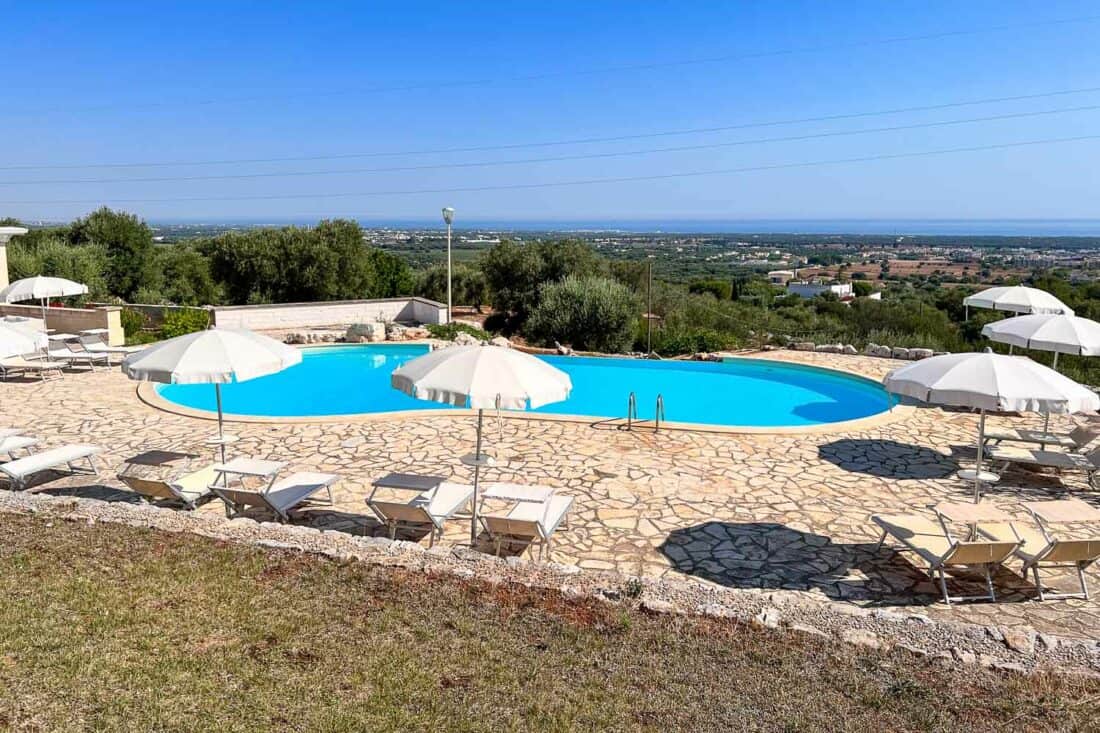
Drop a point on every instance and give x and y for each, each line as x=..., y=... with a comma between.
x=1062, y=460
x=95, y=344
x=1042, y=546
x=44, y=368
x=1076, y=439
x=431, y=507
x=21, y=469
x=185, y=486
x=528, y=522
x=280, y=497
x=12, y=444
x=73, y=354
x=929, y=540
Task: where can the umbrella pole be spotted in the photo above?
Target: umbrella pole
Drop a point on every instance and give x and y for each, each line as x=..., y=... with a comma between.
x=221, y=431
x=981, y=455
x=44, y=315
x=477, y=472
x=1055, y=367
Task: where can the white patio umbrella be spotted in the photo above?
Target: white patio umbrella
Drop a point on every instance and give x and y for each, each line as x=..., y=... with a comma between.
x=1017, y=299
x=989, y=381
x=1062, y=334
x=41, y=288
x=216, y=356
x=16, y=340
x=480, y=377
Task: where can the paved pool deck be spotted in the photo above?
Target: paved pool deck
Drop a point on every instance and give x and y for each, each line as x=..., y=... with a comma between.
x=783, y=511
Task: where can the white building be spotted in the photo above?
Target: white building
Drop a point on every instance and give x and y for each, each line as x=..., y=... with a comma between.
x=812, y=290
x=780, y=277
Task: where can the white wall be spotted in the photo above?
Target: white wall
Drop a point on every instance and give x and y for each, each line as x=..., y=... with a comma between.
x=810, y=290
x=335, y=313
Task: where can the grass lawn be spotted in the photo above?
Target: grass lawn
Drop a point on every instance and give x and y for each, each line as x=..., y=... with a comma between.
x=111, y=628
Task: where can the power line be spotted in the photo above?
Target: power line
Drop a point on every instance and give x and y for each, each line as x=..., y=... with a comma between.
x=560, y=158
x=556, y=143
x=580, y=182
x=592, y=71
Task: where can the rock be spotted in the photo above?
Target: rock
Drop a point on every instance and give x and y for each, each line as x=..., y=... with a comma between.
x=768, y=618
x=803, y=346
x=920, y=353
x=861, y=637
x=464, y=339
x=1010, y=667
x=850, y=350
x=295, y=338
x=829, y=348
x=501, y=342
x=395, y=332
x=807, y=629
x=870, y=348
x=899, y=352
x=883, y=352
x=1019, y=638
x=417, y=332
x=657, y=606
x=940, y=353
x=360, y=333
x=964, y=656
x=563, y=350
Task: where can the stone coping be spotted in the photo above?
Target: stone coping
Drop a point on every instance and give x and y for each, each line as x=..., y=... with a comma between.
x=148, y=394
x=321, y=303
x=1017, y=650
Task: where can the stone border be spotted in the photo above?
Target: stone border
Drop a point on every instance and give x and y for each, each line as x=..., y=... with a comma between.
x=147, y=393
x=1016, y=649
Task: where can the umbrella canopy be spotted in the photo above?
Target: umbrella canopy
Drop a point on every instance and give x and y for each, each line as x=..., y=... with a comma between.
x=989, y=381
x=481, y=377
x=41, y=288
x=1018, y=299
x=215, y=356
x=1046, y=332
x=16, y=340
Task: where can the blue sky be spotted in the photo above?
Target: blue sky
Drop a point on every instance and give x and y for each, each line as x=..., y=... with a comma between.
x=114, y=82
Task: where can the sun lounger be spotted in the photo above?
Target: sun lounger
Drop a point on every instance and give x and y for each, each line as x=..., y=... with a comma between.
x=530, y=521
x=930, y=540
x=44, y=368
x=73, y=353
x=12, y=444
x=1041, y=546
x=1076, y=439
x=431, y=507
x=184, y=486
x=21, y=469
x=95, y=344
x=1007, y=455
x=280, y=497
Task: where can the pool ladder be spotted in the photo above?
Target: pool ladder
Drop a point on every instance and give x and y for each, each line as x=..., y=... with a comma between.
x=632, y=412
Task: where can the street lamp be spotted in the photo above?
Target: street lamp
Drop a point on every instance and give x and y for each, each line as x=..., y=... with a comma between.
x=449, y=217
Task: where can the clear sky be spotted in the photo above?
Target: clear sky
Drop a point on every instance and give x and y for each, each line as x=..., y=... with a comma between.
x=115, y=82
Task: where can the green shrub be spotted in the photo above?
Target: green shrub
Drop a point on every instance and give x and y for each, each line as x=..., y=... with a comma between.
x=862, y=288
x=450, y=330
x=691, y=341
x=132, y=321
x=720, y=289
x=178, y=322
x=589, y=313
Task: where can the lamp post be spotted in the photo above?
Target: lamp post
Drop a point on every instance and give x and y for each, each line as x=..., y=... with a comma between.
x=449, y=217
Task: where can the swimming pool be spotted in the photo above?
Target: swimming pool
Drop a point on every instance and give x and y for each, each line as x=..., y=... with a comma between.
x=350, y=380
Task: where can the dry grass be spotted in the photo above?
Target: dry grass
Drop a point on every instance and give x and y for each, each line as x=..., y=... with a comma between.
x=111, y=628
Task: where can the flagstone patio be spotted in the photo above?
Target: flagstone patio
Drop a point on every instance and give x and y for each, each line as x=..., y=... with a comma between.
x=746, y=510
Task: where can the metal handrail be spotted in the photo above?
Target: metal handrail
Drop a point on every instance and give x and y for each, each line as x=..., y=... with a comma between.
x=658, y=413
x=631, y=410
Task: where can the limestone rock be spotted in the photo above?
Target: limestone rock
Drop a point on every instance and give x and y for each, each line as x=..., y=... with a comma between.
x=861, y=637
x=563, y=350
x=920, y=353
x=464, y=339
x=883, y=352
x=899, y=352
x=850, y=350
x=803, y=346
x=395, y=332
x=829, y=348
x=417, y=332
x=871, y=348
x=360, y=333
x=1019, y=638
x=501, y=342
x=768, y=618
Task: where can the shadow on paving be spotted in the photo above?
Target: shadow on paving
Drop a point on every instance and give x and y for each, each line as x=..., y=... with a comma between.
x=888, y=459
x=774, y=556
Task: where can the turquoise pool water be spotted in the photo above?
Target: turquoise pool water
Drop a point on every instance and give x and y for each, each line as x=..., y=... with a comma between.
x=348, y=380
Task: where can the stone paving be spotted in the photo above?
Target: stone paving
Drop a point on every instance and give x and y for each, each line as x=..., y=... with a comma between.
x=783, y=511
